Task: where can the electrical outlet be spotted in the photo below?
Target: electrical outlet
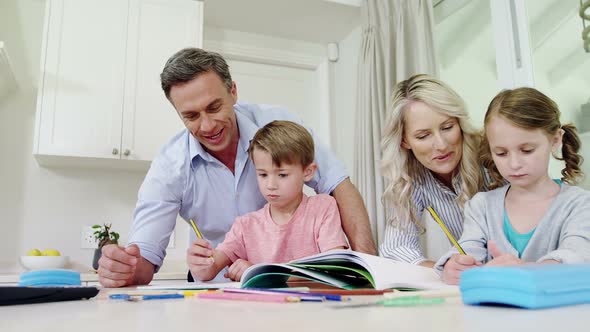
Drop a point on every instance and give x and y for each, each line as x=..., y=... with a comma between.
x=87, y=240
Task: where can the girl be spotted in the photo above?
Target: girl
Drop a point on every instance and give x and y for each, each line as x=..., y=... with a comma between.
x=534, y=218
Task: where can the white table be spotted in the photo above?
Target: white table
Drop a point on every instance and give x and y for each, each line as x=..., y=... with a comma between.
x=191, y=314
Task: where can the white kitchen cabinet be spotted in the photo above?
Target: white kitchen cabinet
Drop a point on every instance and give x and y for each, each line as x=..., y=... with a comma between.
x=100, y=94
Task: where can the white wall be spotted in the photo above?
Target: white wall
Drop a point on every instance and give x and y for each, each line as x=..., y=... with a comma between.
x=276, y=71
x=343, y=98
x=466, y=56
x=48, y=207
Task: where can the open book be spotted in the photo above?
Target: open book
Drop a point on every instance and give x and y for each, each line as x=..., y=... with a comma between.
x=344, y=269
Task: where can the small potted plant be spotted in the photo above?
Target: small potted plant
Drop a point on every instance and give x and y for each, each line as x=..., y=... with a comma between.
x=103, y=236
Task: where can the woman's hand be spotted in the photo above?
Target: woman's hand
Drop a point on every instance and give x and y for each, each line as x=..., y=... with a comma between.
x=499, y=258
x=456, y=265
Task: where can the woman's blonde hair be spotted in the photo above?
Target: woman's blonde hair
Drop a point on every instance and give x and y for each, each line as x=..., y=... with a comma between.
x=401, y=168
x=530, y=109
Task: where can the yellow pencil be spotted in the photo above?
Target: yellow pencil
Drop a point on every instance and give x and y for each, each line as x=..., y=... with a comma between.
x=197, y=232
x=196, y=229
x=446, y=230
x=198, y=291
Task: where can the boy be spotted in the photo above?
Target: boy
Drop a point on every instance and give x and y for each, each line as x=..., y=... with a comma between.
x=291, y=225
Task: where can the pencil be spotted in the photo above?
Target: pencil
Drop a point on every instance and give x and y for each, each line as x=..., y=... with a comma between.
x=446, y=230
x=196, y=229
x=197, y=232
x=198, y=291
x=304, y=295
x=248, y=297
x=360, y=291
x=309, y=297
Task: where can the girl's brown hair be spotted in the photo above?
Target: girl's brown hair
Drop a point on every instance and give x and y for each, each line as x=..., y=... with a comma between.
x=530, y=109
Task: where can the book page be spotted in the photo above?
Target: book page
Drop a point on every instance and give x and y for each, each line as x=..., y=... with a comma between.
x=386, y=273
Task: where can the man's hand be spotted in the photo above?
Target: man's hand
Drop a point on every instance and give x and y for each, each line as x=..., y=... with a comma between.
x=456, y=265
x=236, y=270
x=117, y=265
x=500, y=258
x=198, y=259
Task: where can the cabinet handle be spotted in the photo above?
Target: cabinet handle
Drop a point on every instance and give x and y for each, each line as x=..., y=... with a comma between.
x=115, y=151
x=127, y=152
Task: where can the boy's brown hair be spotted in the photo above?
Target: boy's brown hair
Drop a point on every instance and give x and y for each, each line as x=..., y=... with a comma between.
x=286, y=142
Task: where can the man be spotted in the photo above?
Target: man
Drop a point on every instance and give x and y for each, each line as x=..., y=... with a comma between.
x=204, y=173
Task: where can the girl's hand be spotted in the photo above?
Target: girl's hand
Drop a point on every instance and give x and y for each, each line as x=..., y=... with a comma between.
x=499, y=258
x=236, y=270
x=455, y=266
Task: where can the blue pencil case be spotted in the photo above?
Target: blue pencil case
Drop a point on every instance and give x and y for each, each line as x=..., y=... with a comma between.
x=527, y=286
x=49, y=278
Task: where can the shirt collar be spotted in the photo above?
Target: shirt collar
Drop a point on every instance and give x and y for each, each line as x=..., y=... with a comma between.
x=247, y=130
x=456, y=181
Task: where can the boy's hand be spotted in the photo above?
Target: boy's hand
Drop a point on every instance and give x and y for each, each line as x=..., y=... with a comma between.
x=499, y=258
x=198, y=258
x=456, y=265
x=236, y=270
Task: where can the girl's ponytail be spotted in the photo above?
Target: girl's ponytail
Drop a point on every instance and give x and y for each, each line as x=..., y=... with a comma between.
x=572, y=173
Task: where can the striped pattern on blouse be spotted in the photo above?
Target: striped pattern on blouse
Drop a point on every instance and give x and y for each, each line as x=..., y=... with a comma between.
x=401, y=243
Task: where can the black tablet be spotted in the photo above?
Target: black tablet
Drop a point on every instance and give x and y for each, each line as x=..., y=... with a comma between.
x=25, y=295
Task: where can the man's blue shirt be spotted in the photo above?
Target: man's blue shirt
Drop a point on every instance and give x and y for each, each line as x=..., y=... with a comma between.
x=186, y=180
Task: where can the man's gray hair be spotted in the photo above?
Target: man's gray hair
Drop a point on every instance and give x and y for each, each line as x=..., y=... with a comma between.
x=188, y=63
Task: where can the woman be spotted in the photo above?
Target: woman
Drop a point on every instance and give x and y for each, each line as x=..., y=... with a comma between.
x=430, y=160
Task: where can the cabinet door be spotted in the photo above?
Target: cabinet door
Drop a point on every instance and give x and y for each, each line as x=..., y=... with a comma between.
x=81, y=92
x=157, y=29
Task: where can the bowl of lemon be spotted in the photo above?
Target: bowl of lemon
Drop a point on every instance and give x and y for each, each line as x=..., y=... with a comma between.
x=41, y=260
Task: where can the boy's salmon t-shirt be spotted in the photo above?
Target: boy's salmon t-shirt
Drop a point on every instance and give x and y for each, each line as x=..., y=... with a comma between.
x=314, y=227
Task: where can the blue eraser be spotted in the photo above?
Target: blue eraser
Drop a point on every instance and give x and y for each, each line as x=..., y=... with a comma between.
x=50, y=278
x=527, y=286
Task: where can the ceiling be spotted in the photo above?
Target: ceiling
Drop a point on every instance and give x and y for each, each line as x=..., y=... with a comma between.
x=316, y=21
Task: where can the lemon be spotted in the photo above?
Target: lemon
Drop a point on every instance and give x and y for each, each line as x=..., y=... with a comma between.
x=50, y=252
x=34, y=252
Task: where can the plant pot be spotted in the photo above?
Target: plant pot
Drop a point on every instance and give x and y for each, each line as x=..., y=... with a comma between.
x=97, y=254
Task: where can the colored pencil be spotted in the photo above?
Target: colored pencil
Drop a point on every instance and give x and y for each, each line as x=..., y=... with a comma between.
x=323, y=296
x=302, y=295
x=199, y=235
x=248, y=297
x=361, y=291
x=446, y=230
x=196, y=229
x=197, y=291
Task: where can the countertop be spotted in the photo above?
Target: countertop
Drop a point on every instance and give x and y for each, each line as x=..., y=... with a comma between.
x=100, y=313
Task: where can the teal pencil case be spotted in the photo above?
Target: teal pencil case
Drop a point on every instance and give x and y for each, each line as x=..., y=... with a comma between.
x=527, y=286
x=49, y=278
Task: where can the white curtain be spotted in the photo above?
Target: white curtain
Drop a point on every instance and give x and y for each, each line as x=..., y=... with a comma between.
x=397, y=42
